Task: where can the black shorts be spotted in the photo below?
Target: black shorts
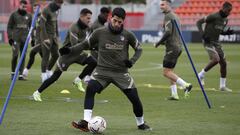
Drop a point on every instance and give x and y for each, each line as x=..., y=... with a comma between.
x=170, y=58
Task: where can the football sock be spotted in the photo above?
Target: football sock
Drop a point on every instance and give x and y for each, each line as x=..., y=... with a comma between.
x=181, y=82
x=139, y=120
x=202, y=73
x=222, y=82
x=174, y=90
x=87, y=114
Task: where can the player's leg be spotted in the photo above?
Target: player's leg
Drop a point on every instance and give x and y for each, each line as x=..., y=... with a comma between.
x=54, y=57
x=174, y=94
x=91, y=64
x=45, y=60
x=169, y=63
x=31, y=60
x=23, y=62
x=223, y=70
x=93, y=87
x=214, y=59
x=37, y=94
x=15, y=53
x=126, y=83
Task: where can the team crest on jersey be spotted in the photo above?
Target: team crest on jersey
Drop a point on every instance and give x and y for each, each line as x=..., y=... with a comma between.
x=26, y=17
x=63, y=65
x=122, y=38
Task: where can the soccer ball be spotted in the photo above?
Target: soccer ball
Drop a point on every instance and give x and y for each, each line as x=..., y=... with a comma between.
x=97, y=125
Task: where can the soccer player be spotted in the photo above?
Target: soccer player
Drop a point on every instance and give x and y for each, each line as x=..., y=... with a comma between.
x=215, y=25
x=18, y=27
x=35, y=43
x=171, y=40
x=112, y=42
x=77, y=33
x=49, y=37
x=99, y=22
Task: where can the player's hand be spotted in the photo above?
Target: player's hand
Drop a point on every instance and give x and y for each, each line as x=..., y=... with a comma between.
x=47, y=41
x=64, y=51
x=156, y=45
x=11, y=42
x=228, y=32
x=206, y=39
x=128, y=63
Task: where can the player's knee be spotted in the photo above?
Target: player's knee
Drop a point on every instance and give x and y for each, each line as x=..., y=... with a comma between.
x=93, y=87
x=15, y=54
x=166, y=72
x=223, y=63
x=55, y=55
x=215, y=59
x=91, y=61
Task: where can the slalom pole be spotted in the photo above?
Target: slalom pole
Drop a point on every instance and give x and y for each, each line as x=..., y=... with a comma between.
x=191, y=61
x=19, y=64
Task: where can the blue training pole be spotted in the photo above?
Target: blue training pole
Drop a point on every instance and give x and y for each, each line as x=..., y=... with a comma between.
x=191, y=61
x=18, y=66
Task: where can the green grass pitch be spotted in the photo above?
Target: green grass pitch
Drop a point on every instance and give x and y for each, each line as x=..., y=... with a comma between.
x=190, y=116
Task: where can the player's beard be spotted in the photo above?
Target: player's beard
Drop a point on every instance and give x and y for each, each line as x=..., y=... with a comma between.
x=102, y=19
x=81, y=24
x=22, y=12
x=115, y=30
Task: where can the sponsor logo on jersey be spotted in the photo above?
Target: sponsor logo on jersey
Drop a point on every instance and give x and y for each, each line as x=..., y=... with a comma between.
x=114, y=46
x=122, y=38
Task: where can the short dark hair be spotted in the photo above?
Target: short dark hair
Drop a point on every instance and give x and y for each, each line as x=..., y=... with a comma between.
x=227, y=5
x=58, y=1
x=23, y=2
x=170, y=1
x=36, y=4
x=85, y=11
x=119, y=12
x=105, y=10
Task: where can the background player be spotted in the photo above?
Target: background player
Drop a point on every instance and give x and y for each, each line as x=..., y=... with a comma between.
x=173, y=44
x=215, y=25
x=77, y=33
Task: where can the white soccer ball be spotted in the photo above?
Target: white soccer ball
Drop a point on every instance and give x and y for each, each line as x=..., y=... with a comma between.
x=97, y=125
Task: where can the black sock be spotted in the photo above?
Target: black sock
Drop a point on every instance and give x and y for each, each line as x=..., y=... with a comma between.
x=91, y=64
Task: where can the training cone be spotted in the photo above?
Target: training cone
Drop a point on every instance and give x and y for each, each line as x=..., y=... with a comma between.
x=65, y=92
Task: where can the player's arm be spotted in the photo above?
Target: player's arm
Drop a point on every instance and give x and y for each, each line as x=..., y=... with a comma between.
x=73, y=35
x=137, y=48
x=227, y=31
x=207, y=19
x=10, y=27
x=199, y=24
x=87, y=44
x=168, y=28
x=43, y=32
